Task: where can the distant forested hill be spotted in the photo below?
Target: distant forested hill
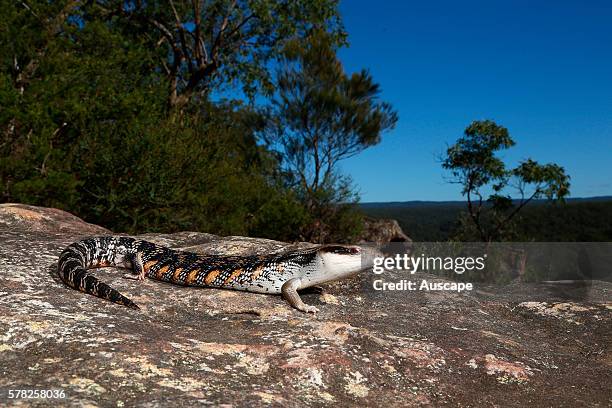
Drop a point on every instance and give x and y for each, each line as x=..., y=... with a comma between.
x=580, y=219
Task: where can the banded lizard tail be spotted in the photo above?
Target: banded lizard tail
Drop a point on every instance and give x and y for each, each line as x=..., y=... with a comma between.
x=283, y=273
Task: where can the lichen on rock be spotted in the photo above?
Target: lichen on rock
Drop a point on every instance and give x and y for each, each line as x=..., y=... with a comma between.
x=192, y=346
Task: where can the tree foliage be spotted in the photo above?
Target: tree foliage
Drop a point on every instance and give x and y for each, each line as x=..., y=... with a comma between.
x=473, y=164
x=578, y=220
x=106, y=112
x=320, y=116
x=203, y=45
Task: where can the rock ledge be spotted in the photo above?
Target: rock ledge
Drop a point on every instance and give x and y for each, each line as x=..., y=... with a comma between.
x=193, y=346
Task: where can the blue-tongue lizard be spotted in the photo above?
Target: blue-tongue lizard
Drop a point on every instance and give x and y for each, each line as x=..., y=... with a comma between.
x=284, y=273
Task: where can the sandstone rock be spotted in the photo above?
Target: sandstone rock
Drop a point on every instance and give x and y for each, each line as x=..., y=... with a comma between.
x=382, y=231
x=21, y=217
x=190, y=346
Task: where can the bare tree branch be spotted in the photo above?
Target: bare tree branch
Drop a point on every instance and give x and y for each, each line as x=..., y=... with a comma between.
x=186, y=55
x=201, y=55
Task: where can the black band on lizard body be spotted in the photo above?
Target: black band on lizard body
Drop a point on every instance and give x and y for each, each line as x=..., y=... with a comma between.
x=93, y=253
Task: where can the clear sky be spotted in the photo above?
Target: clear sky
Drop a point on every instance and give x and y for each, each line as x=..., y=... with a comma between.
x=543, y=69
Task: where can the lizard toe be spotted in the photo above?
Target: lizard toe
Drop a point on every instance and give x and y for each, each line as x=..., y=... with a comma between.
x=310, y=309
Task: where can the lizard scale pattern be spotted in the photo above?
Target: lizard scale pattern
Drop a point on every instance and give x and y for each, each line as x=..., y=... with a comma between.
x=283, y=273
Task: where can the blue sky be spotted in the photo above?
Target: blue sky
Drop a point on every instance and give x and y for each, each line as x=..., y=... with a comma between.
x=542, y=69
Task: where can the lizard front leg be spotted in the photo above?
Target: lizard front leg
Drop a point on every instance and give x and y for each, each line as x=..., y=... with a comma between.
x=289, y=291
x=139, y=271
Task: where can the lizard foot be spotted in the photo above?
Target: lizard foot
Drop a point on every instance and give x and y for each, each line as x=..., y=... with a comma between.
x=289, y=291
x=309, y=309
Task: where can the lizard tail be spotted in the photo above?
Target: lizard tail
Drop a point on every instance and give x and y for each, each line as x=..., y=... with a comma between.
x=72, y=269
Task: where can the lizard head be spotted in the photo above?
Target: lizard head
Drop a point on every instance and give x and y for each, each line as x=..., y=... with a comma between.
x=339, y=261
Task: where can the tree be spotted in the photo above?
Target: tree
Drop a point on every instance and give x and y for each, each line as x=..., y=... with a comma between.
x=27, y=34
x=320, y=116
x=201, y=45
x=473, y=164
x=86, y=128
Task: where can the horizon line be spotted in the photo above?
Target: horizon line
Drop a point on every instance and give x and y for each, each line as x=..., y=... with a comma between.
x=604, y=197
